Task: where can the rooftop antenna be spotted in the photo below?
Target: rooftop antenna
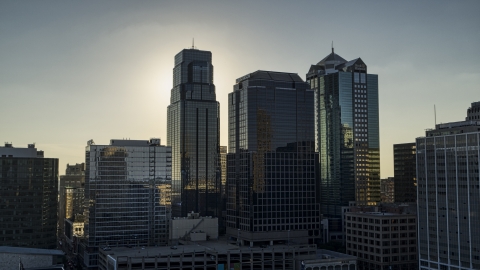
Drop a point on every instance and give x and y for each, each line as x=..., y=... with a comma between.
x=332, y=46
x=435, y=114
x=193, y=43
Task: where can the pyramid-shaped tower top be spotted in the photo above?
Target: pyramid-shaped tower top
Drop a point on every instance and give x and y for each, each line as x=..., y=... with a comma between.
x=330, y=59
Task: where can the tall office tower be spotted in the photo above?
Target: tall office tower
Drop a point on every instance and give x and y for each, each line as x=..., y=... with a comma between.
x=346, y=132
x=271, y=164
x=193, y=133
x=28, y=198
x=127, y=195
x=405, y=172
x=71, y=194
x=449, y=196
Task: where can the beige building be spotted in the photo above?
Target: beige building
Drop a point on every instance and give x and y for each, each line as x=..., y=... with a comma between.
x=193, y=228
x=383, y=237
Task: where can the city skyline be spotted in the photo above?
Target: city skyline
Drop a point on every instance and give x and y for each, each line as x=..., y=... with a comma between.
x=110, y=64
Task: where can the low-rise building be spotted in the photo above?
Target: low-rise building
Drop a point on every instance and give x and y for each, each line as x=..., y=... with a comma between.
x=207, y=255
x=193, y=228
x=327, y=259
x=28, y=258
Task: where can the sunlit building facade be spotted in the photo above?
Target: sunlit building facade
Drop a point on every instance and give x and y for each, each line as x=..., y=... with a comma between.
x=28, y=198
x=193, y=133
x=449, y=196
x=127, y=195
x=271, y=164
x=346, y=132
x=71, y=194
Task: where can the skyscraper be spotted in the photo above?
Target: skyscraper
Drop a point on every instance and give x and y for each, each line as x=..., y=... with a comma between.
x=271, y=165
x=127, y=195
x=449, y=196
x=193, y=134
x=28, y=198
x=346, y=132
x=405, y=172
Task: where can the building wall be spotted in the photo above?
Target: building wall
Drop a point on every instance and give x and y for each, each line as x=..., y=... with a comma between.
x=28, y=202
x=449, y=200
x=181, y=227
x=382, y=240
x=405, y=172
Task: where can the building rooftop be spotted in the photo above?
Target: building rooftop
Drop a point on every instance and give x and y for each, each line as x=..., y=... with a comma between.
x=271, y=75
x=29, y=152
x=31, y=251
x=219, y=246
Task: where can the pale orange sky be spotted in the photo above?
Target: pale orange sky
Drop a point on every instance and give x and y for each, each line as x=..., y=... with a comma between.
x=71, y=72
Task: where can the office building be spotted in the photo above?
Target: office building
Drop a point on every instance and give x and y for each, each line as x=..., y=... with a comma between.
x=473, y=113
x=271, y=164
x=405, y=172
x=346, y=132
x=383, y=237
x=208, y=255
x=71, y=194
x=449, y=196
x=28, y=198
x=193, y=133
x=23, y=258
x=387, y=190
x=127, y=195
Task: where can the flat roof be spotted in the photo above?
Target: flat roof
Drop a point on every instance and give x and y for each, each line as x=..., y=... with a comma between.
x=32, y=251
x=217, y=246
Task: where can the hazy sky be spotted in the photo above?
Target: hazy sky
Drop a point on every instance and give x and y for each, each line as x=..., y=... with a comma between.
x=75, y=71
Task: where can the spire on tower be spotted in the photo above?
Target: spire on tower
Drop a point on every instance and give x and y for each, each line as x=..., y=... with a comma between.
x=193, y=43
x=332, y=46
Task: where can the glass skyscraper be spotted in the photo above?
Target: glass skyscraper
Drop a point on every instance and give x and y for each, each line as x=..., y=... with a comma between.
x=271, y=164
x=193, y=134
x=346, y=132
x=127, y=195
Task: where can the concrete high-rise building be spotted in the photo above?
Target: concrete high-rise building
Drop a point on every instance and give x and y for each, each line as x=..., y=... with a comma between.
x=271, y=164
x=71, y=194
x=405, y=172
x=449, y=196
x=346, y=132
x=28, y=198
x=383, y=237
x=193, y=133
x=127, y=195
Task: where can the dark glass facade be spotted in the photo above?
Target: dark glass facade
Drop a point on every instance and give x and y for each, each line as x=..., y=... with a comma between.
x=193, y=134
x=127, y=195
x=28, y=200
x=271, y=165
x=405, y=172
x=346, y=133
